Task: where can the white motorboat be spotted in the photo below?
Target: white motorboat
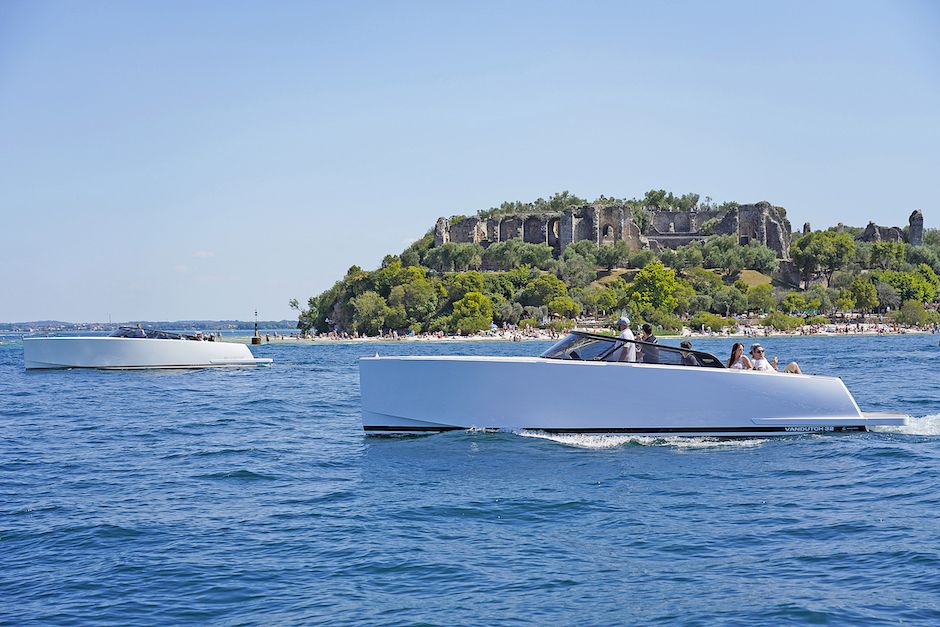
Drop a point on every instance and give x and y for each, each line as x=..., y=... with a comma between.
x=134, y=348
x=574, y=387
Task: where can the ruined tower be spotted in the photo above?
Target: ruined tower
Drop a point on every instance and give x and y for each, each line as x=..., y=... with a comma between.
x=916, y=231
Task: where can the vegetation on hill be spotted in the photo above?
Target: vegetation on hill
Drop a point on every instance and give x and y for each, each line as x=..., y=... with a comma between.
x=432, y=289
x=653, y=200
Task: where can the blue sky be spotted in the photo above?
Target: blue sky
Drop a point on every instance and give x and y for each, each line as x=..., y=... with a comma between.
x=165, y=160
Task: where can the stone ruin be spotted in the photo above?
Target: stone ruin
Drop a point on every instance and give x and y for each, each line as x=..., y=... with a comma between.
x=875, y=233
x=606, y=224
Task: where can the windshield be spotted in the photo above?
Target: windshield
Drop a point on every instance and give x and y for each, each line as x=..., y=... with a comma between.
x=149, y=333
x=581, y=346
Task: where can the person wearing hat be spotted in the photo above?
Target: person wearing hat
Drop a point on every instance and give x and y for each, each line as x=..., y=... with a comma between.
x=760, y=362
x=627, y=352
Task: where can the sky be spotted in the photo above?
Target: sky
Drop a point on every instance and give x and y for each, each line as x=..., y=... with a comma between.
x=174, y=160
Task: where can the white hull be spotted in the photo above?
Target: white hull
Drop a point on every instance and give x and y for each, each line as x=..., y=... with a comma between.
x=131, y=353
x=430, y=394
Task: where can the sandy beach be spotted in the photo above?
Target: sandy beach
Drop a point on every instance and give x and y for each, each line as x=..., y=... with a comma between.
x=515, y=335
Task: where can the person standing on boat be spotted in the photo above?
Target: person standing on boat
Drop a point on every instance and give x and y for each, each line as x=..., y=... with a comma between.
x=738, y=361
x=139, y=332
x=627, y=352
x=760, y=363
x=648, y=354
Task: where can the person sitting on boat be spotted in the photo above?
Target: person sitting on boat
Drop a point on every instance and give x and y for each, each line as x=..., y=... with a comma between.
x=760, y=363
x=140, y=331
x=688, y=359
x=648, y=354
x=738, y=360
x=627, y=351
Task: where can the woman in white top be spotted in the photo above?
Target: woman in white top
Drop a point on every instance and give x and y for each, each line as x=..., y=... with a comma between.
x=738, y=361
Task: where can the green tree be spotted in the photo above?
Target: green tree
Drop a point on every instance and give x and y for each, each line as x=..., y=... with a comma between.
x=920, y=285
x=641, y=258
x=845, y=302
x=703, y=281
x=371, y=310
x=564, y=307
x=576, y=271
x=509, y=312
x=468, y=255
x=612, y=256
x=543, y=290
x=887, y=255
x=839, y=252
x=459, y=284
x=415, y=253
x=761, y=258
x=793, y=303
x=864, y=294
x=504, y=255
x=536, y=255
x=729, y=300
x=912, y=313
x=818, y=299
x=472, y=313
x=653, y=287
x=807, y=253
x=442, y=258
x=606, y=300
x=731, y=263
x=760, y=297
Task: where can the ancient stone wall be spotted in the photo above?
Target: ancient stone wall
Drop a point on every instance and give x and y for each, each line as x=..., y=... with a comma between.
x=607, y=224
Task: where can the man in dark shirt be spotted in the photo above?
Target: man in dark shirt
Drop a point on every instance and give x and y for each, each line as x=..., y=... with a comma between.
x=688, y=359
x=650, y=354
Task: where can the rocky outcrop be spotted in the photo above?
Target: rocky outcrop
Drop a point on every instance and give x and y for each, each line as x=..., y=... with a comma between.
x=875, y=233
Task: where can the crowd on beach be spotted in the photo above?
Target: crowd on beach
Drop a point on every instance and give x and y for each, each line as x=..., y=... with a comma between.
x=508, y=332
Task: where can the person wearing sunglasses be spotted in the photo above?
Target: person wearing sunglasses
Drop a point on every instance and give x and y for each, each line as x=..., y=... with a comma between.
x=759, y=362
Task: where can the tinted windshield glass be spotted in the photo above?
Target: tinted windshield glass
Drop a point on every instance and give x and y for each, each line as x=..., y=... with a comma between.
x=581, y=347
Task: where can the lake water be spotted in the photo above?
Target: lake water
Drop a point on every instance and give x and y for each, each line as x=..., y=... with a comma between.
x=252, y=497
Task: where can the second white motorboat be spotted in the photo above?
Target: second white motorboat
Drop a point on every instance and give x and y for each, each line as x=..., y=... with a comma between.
x=131, y=348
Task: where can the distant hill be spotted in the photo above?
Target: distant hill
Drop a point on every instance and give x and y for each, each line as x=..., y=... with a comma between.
x=179, y=325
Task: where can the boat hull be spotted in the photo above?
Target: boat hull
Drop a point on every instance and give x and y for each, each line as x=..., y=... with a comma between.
x=122, y=353
x=403, y=395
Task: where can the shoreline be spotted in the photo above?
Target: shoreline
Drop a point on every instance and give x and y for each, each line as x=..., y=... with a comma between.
x=546, y=336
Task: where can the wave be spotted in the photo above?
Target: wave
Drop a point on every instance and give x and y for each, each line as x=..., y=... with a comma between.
x=600, y=442
x=926, y=425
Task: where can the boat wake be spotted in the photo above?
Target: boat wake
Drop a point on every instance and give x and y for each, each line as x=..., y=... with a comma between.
x=926, y=425
x=599, y=442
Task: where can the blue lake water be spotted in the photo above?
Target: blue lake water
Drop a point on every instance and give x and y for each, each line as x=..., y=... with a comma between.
x=252, y=497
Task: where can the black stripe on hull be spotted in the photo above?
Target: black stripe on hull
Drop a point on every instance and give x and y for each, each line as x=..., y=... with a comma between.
x=694, y=431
